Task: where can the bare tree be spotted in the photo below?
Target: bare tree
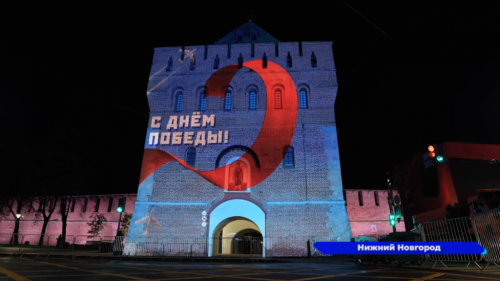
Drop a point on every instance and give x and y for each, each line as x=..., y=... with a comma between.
x=47, y=205
x=14, y=206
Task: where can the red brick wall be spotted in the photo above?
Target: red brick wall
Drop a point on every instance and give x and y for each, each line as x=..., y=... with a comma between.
x=362, y=218
x=30, y=225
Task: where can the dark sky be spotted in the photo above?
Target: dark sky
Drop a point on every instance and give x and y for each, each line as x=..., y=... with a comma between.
x=73, y=84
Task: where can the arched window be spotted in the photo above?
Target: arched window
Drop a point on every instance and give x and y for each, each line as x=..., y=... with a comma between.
x=303, y=98
x=278, y=102
x=203, y=102
x=227, y=100
x=253, y=100
x=289, y=60
x=289, y=161
x=191, y=156
x=178, y=101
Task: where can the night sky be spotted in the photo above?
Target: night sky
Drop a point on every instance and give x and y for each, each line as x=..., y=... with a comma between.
x=73, y=102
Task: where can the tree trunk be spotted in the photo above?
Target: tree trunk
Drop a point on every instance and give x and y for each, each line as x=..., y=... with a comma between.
x=15, y=236
x=44, y=227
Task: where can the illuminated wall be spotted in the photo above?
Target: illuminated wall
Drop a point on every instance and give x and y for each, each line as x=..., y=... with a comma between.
x=241, y=132
x=81, y=212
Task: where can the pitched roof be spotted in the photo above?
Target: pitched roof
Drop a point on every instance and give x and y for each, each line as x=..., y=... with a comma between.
x=247, y=33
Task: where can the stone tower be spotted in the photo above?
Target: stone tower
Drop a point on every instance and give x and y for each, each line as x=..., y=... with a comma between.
x=241, y=152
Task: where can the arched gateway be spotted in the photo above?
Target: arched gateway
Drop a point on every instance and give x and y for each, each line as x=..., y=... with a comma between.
x=228, y=224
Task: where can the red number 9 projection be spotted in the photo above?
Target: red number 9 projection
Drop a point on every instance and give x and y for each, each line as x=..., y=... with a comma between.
x=274, y=137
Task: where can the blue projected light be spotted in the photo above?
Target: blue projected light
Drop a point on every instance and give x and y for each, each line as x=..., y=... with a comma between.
x=400, y=248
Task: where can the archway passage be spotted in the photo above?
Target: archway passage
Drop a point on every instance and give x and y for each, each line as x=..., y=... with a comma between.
x=237, y=236
x=248, y=242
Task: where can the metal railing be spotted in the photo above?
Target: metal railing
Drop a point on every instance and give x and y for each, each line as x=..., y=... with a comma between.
x=451, y=230
x=58, y=243
x=487, y=227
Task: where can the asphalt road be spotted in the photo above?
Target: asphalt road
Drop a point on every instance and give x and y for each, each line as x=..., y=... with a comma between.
x=23, y=269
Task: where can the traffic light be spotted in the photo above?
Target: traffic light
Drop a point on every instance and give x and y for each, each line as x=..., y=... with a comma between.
x=441, y=155
x=392, y=219
x=121, y=205
x=397, y=211
x=429, y=158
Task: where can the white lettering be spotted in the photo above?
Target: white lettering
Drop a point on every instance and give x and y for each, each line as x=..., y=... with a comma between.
x=156, y=122
x=209, y=120
x=177, y=138
x=200, y=138
x=165, y=138
x=188, y=137
x=391, y=247
x=172, y=123
x=184, y=121
x=212, y=138
x=195, y=120
x=438, y=248
x=153, y=138
x=400, y=247
x=360, y=247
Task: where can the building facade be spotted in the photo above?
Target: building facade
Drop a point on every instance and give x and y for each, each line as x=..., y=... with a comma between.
x=241, y=143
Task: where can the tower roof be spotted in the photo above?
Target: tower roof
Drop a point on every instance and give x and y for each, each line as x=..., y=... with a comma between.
x=247, y=33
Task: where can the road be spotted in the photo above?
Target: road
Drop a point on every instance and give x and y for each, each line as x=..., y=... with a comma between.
x=23, y=269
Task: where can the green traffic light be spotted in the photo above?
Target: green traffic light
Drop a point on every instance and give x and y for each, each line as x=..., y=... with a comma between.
x=119, y=209
x=440, y=158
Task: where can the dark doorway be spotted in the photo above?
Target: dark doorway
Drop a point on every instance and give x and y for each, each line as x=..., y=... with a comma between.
x=248, y=242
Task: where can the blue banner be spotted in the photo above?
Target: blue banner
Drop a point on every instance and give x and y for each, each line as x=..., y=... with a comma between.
x=400, y=248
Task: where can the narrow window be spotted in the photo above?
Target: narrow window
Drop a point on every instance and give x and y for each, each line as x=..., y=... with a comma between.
x=192, y=65
x=240, y=61
x=264, y=61
x=228, y=51
x=360, y=198
x=314, y=62
x=300, y=48
x=376, y=198
x=97, y=202
x=289, y=60
x=182, y=53
x=178, y=101
x=289, y=161
x=205, y=54
x=253, y=100
x=110, y=204
x=252, y=52
x=277, y=100
x=203, y=102
x=216, y=62
x=73, y=203
x=227, y=101
x=276, y=50
x=191, y=156
x=84, y=207
x=303, y=98
x=169, y=65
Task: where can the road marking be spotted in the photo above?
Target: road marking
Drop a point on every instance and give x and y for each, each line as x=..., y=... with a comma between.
x=428, y=277
x=13, y=275
x=342, y=274
x=86, y=270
